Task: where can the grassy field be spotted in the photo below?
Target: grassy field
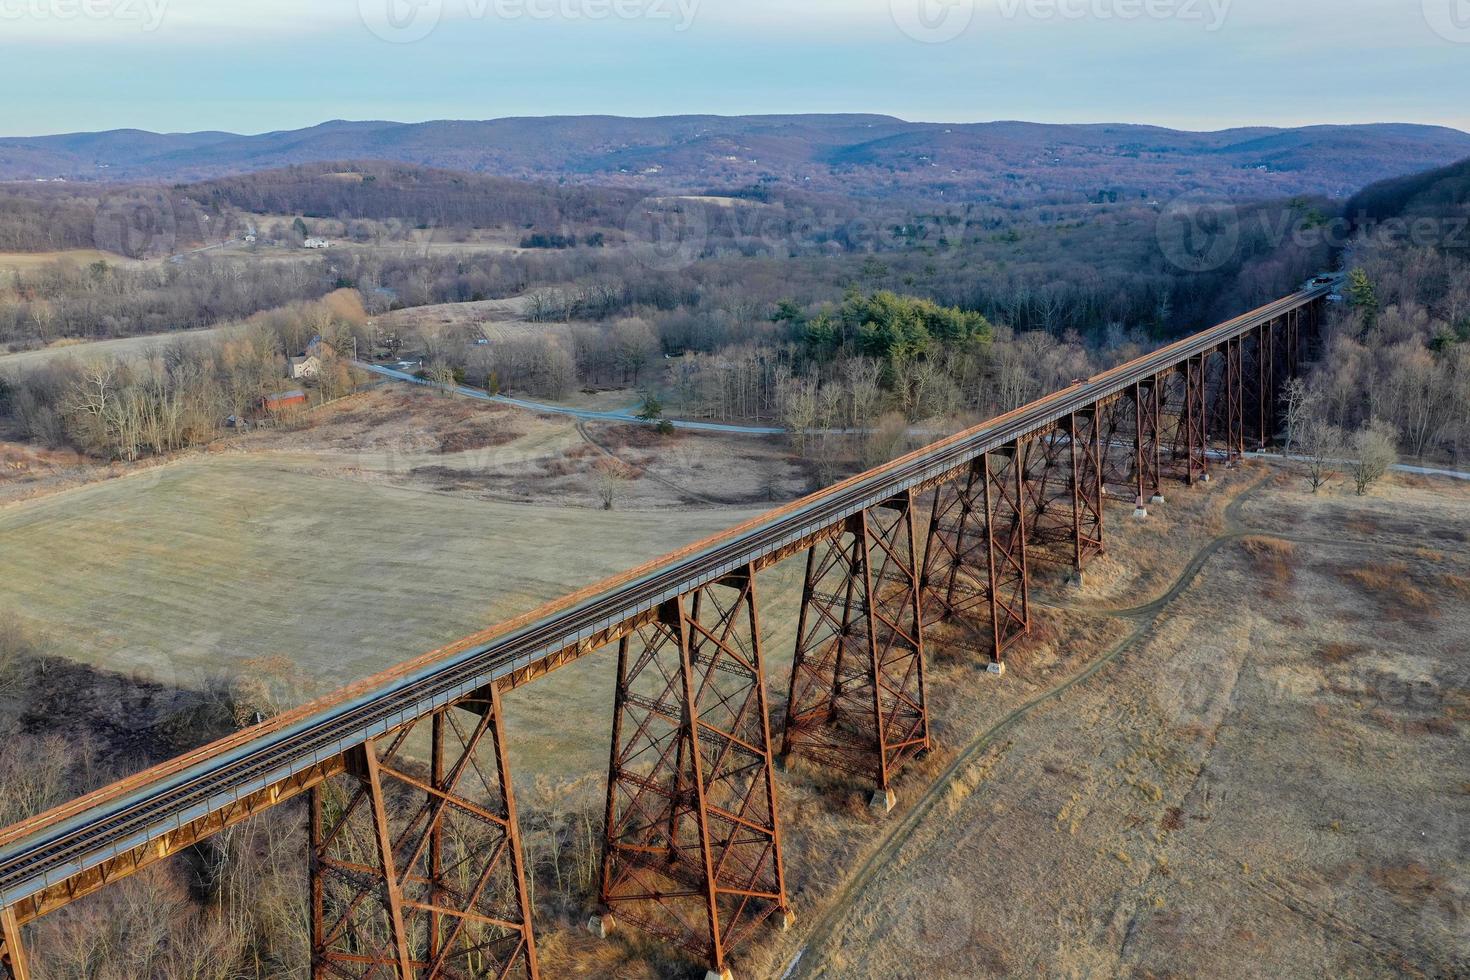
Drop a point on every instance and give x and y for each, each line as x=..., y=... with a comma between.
x=192, y=571
x=119, y=347
x=1266, y=779
x=29, y=261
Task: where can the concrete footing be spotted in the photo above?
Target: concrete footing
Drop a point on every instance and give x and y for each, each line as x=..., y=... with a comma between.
x=884, y=800
x=722, y=975
x=785, y=920
x=601, y=925
x=999, y=670
x=1140, y=512
x=1157, y=498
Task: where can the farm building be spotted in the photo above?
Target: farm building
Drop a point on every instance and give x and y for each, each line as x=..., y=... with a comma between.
x=316, y=243
x=283, y=401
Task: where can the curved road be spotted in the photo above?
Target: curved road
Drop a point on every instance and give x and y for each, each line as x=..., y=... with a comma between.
x=625, y=416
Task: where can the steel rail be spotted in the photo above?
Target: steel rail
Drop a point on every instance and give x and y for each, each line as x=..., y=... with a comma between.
x=55, y=847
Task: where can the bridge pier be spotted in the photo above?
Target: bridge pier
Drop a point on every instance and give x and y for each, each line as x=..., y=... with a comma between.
x=1148, y=429
x=13, y=951
x=1234, y=395
x=1063, y=481
x=382, y=897
x=1194, y=432
x=857, y=701
x=692, y=851
x=975, y=562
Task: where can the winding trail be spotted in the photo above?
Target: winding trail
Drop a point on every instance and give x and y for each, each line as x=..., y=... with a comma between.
x=607, y=453
x=625, y=417
x=809, y=961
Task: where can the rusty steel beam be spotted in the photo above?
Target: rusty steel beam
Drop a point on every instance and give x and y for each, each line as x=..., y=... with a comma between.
x=1265, y=379
x=857, y=701
x=954, y=584
x=1119, y=444
x=12, y=947
x=1147, y=441
x=1194, y=431
x=1005, y=523
x=975, y=562
x=1046, y=479
x=1063, y=484
x=692, y=849
x=1293, y=344
x=188, y=835
x=1229, y=397
x=420, y=874
x=1084, y=431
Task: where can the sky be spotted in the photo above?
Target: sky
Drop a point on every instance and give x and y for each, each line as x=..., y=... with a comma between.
x=252, y=66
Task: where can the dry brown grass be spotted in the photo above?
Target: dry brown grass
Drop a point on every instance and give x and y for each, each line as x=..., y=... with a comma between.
x=471, y=435
x=1458, y=584
x=1411, y=882
x=1338, y=653
x=1392, y=584
x=1274, y=558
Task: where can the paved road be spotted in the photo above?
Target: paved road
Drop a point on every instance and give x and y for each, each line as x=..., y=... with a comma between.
x=624, y=416
x=627, y=416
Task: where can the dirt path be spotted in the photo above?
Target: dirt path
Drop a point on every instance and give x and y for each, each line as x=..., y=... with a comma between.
x=809, y=960
x=1347, y=896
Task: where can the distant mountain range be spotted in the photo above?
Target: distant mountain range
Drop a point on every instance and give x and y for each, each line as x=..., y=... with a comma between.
x=1009, y=162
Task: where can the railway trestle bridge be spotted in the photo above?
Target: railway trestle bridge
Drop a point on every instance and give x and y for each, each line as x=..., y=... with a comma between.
x=415, y=866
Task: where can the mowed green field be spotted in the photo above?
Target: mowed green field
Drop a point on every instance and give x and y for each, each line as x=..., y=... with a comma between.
x=189, y=573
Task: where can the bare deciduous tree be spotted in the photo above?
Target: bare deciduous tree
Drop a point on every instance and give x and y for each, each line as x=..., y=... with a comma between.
x=1321, y=444
x=1376, y=450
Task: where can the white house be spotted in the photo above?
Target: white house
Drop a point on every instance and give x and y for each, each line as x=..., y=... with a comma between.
x=306, y=366
x=316, y=243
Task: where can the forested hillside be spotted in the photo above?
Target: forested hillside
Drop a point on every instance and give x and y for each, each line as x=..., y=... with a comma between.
x=1398, y=353
x=870, y=155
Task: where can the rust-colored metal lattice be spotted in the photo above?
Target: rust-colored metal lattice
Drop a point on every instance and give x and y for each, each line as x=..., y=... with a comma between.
x=692, y=851
x=1063, y=489
x=420, y=874
x=1118, y=444
x=857, y=701
x=1234, y=395
x=12, y=953
x=975, y=563
x=1262, y=375
x=1192, y=439
x=1148, y=466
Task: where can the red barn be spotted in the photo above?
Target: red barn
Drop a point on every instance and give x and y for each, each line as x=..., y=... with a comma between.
x=283, y=401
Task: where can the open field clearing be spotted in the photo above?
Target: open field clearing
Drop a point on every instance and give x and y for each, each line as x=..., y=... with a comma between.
x=415, y=437
x=389, y=524
x=120, y=347
x=186, y=572
x=31, y=261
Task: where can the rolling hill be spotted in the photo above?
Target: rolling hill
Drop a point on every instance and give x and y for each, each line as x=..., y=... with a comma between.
x=1011, y=162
